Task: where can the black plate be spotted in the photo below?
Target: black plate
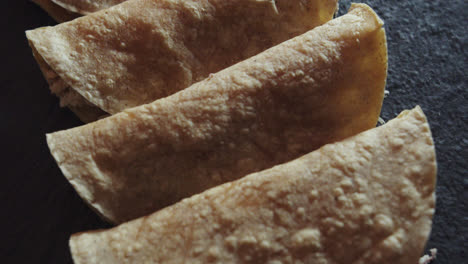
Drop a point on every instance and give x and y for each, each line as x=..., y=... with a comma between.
x=40, y=210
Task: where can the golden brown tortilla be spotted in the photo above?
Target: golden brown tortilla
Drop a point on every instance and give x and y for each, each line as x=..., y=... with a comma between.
x=55, y=11
x=85, y=7
x=366, y=200
x=320, y=87
x=86, y=111
x=143, y=50
x=65, y=10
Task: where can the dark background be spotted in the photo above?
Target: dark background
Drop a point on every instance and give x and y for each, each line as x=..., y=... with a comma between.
x=39, y=210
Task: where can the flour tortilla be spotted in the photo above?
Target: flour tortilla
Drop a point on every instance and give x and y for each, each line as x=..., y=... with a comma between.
x=320, y=87
x=55, y=11
x=85, y=7
x=143, y=50
x=368, y=199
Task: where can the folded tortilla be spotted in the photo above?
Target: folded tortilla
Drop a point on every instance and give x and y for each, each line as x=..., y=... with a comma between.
x=65, y=10
x=367, y=199
x=143, y=50
x=85, y=7
x=55, y=11
x=320, y=87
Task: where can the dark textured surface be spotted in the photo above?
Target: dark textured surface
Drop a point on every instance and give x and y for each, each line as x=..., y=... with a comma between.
x=427, y=66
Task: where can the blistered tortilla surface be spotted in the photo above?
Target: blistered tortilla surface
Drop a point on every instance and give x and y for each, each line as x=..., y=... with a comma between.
x=142, y=50
x=85, y=7
x=55, y=11
x=368, y=199
x=318, y=88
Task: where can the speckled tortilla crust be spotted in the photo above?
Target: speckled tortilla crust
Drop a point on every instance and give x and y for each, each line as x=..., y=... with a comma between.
x=65, y=10
x=318, y=88
x=367, y=199
x=56, y=12
x=85, y=7
x=143, y=50
x=86, y=111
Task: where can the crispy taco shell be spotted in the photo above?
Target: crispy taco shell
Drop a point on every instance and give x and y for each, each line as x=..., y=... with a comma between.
x=366, y=200
x=143, y=50
x=85, y=7
x=320, y=87
x=55, y=11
